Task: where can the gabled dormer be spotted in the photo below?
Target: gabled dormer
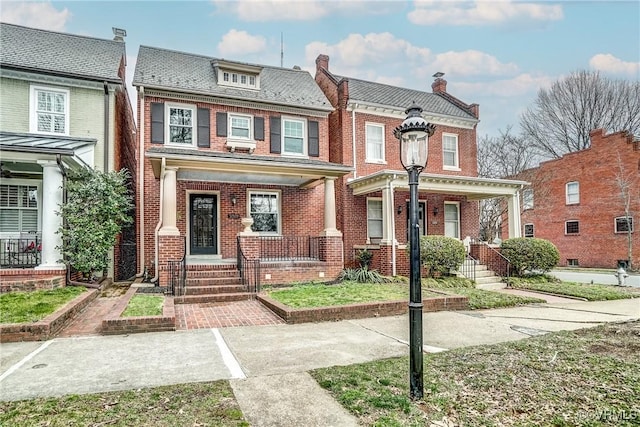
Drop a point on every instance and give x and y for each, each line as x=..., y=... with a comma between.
x=236, y=74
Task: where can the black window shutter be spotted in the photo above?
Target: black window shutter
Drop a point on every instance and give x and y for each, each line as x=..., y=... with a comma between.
x=203, y=128
x=258, y=128
x=157, y=123
x=314, y=139
x=221, y=124
x=274, y=125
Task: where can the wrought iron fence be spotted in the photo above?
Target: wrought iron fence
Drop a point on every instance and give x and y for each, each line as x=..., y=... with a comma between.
x=498, y=263
x=249, y=270
x=23, y=252
x=178, y=274
x=468, y=267
x=286, y=248
x=126, y=261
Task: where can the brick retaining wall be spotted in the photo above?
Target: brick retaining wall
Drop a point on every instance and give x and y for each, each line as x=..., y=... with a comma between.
x=114, y=324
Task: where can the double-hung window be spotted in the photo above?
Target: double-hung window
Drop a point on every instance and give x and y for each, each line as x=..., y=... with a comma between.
x=49, y=110
x=240, y=127
x=18, y=208
x=452, y=219
x=573, y=193
x=264, y=208
x=374, y=220
x=450, y=151
x=294, y=136
x=375, y=142
x=181, y=122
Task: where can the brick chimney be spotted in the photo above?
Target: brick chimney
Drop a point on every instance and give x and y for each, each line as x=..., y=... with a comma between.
x=439, y=85
x=119, y=34
x=322, y=62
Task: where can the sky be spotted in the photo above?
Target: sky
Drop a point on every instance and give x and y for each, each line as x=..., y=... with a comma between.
x=497, y=53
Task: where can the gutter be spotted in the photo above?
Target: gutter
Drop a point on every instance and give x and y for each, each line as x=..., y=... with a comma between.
x=106, y=127
x=140, y=178
x=353, y=140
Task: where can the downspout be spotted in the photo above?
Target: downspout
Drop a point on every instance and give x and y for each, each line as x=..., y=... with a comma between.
x=141, y=183
x=353, y=140
x=394, y=242
x=155, y=233
x=106, y=127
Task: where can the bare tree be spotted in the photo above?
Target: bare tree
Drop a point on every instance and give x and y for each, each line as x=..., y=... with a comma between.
x=562, y=116
x=624, y=183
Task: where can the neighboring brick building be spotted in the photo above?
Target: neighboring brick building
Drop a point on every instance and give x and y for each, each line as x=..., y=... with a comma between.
x=373, y=199
x=575, y=202
x=64, y=105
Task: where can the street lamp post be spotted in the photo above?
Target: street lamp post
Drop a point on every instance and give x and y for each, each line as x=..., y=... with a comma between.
x=414, y=133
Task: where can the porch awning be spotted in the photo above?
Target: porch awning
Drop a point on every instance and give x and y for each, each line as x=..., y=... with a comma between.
x=473, y=188
x=20, y=147
x=244, y=168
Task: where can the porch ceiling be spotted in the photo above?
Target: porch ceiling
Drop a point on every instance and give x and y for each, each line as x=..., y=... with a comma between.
x=244, y=168
x=473, y=188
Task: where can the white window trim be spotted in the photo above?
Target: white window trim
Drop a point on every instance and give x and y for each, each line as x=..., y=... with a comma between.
x=366, y=144
x=33, y=117
x=615, y=224
x=238, y=75
x=305, y=137
x=194, y=124
x=455, y=167
x=278, y=195
x=457, y=205
x=565, y=227
x=524, y=228
x=374, y=199
x=30, y=183
x=567, y=193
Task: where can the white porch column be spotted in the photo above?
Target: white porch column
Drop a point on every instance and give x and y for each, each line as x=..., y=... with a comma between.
x=169, y=205
x=51, y=256
x=330, y=208
x=513, y=203
x=387, y=214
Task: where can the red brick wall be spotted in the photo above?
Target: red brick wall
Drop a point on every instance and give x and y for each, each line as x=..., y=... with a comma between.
x=595, y=170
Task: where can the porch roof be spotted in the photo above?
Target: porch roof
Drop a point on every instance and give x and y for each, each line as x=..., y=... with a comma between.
x=244, y=168
x=474, y=188
x=27, y=146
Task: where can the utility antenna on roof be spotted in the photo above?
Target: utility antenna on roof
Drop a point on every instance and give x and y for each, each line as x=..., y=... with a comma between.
x=281, y=50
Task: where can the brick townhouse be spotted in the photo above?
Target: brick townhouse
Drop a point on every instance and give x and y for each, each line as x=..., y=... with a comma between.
x=374, y=197
x=576, y=202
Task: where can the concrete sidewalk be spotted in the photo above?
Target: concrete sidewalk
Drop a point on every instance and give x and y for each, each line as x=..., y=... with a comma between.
x=268, y=365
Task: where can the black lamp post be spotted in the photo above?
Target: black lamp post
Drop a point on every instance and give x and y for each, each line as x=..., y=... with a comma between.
x=414, y=133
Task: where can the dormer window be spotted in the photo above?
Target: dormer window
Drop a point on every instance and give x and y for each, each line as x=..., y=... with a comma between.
x=236, y=74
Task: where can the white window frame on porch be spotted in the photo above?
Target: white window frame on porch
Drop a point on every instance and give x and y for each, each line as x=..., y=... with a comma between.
x=456, y=152
x=372, y=145
x=377, y=239
x=38, y=208
x=457, y=221
x=278, y=194
x=34, y=111
x=194, y=124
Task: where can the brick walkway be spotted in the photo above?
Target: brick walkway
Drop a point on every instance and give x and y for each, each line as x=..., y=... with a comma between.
x=89, y=321
x=221, y=315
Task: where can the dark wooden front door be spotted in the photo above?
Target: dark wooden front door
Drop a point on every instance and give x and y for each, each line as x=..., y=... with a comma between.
x=204, y=231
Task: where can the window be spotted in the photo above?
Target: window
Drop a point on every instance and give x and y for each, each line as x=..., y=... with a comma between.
x=528, y=230
x=573, y=193
x=527, y=198
x=422, y=223
x=18, y=208
x=572, y=262
x=49, y=110
x=181, y=124
x=225, y=76
x=450, y=151
x=375, y=142
x=240, y=127
x=293, y=131
x=264, y=208
x=374, y=220
x=238, y=79
x=624, y=224
x=572, y=227
x=452, y=220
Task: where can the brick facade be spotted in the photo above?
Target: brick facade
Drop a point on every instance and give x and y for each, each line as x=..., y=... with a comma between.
x=595, y=169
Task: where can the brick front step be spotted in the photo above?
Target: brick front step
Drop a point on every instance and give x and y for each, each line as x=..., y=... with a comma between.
x=213, y=281
x=214, y=290
x=195, y=299
x=228, y=273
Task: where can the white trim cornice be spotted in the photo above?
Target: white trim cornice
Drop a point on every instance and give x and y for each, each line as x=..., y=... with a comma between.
x=48, y=79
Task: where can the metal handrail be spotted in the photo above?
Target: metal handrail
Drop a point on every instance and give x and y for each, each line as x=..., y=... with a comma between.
x=249, y=270
x=502, y=266
x=468, y=268
x=286, y=248
x=178, y=273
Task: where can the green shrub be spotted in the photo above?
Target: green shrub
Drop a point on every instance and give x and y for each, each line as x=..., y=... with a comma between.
x=362, y=275
x=364, y=258
x=441, y=254
x=530, y=254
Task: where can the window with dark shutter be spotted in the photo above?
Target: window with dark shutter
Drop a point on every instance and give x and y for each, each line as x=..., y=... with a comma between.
x=157, y=123
x=314, y=139
x=275, y=133
x=258, y=128
x=221, y=124
x=203, y=128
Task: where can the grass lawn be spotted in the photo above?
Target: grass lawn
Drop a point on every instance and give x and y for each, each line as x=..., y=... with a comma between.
x=25, y=307
x=144, y=305
x=587, y=291
x=196, y=404
x=588, y=377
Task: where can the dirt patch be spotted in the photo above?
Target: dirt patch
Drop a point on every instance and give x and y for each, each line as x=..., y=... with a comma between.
x=116, y=289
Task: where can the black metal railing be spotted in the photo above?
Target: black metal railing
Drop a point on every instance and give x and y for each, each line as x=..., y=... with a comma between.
x=178, y=273
x=468, y=267
x=249, y=270
x=498, y=263
x=23, y=252
x=286, y=248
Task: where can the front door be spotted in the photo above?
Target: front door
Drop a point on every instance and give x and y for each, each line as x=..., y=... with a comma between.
x=204, y=232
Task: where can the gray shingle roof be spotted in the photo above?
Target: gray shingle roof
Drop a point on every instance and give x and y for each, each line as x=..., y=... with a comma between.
x=186, y=72
x=382, y=94
x=59, y=53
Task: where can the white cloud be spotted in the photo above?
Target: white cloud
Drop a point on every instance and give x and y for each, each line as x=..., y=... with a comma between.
x=38, y=15
x=471, y=62
x=608, y=63
x=481, y=12
x=240, y=43
x=271, y=10
x=519, y=85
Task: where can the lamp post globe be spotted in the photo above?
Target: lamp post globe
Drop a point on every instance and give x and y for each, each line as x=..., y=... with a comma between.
x=413, y=134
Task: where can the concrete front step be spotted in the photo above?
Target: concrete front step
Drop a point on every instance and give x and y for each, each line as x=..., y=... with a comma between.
x=485, y=273
x=488, y=279
x=491, y=286
x=212, y=298
x=213, y=281
x=213, y=290
x=227, y=273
